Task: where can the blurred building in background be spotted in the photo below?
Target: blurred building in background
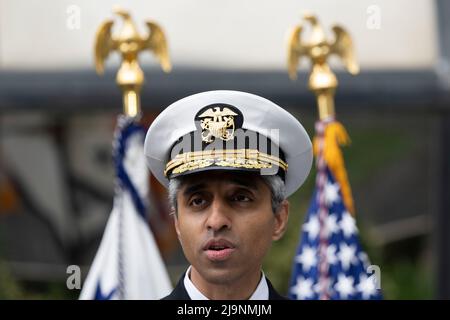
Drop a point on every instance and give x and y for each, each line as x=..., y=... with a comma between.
x=57, y=119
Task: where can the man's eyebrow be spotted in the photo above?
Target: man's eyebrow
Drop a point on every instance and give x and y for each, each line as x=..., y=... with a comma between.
x=193, y=188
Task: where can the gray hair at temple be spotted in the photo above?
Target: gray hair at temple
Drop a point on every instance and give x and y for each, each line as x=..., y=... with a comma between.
x=275, y=184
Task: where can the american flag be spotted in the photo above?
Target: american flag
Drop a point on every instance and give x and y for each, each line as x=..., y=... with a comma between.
x=330, y=262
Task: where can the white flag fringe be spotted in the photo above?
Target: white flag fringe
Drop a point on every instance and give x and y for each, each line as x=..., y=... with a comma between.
x=128, y=264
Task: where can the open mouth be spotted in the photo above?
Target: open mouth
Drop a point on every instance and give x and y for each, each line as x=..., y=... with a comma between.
x=219, y=250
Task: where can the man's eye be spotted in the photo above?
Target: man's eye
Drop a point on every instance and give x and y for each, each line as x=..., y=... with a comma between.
x=196, y=202
x=241, y=198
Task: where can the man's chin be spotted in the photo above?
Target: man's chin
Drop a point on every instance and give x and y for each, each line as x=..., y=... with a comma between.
x=220, y=275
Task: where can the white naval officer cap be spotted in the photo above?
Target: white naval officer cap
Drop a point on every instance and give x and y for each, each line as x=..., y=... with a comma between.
x=228, y=130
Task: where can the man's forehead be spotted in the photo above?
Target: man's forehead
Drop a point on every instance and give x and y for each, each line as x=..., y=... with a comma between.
x=248, y=179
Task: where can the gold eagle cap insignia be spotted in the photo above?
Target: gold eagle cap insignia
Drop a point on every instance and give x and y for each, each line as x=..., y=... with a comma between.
x=217, y=123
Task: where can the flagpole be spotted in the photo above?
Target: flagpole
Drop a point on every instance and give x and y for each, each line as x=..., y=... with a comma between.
x=323, y=83
x=330, y=134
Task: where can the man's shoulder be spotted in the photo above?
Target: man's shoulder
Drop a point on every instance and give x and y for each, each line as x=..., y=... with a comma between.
x=179, y=292
x=273, y=294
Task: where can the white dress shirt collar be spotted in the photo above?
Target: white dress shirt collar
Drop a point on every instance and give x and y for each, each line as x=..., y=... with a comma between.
x=261, y=292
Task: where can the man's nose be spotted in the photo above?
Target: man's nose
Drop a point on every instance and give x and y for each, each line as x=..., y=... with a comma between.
x=218, y=218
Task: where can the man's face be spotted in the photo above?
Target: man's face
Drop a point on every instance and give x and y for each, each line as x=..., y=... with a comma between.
x=226, y=225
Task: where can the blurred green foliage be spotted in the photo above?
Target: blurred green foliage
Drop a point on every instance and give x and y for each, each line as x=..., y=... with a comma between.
x=9, y=288
x=13, y=289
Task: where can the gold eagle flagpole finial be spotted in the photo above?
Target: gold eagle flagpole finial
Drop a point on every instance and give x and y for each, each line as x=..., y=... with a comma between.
x=322, y=80
x=129, y=43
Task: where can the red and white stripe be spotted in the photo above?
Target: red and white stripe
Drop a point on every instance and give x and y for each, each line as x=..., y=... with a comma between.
x=321, y=180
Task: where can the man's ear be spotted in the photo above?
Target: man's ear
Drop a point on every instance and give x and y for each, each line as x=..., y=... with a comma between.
x=176, y=223
x=281, y=220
